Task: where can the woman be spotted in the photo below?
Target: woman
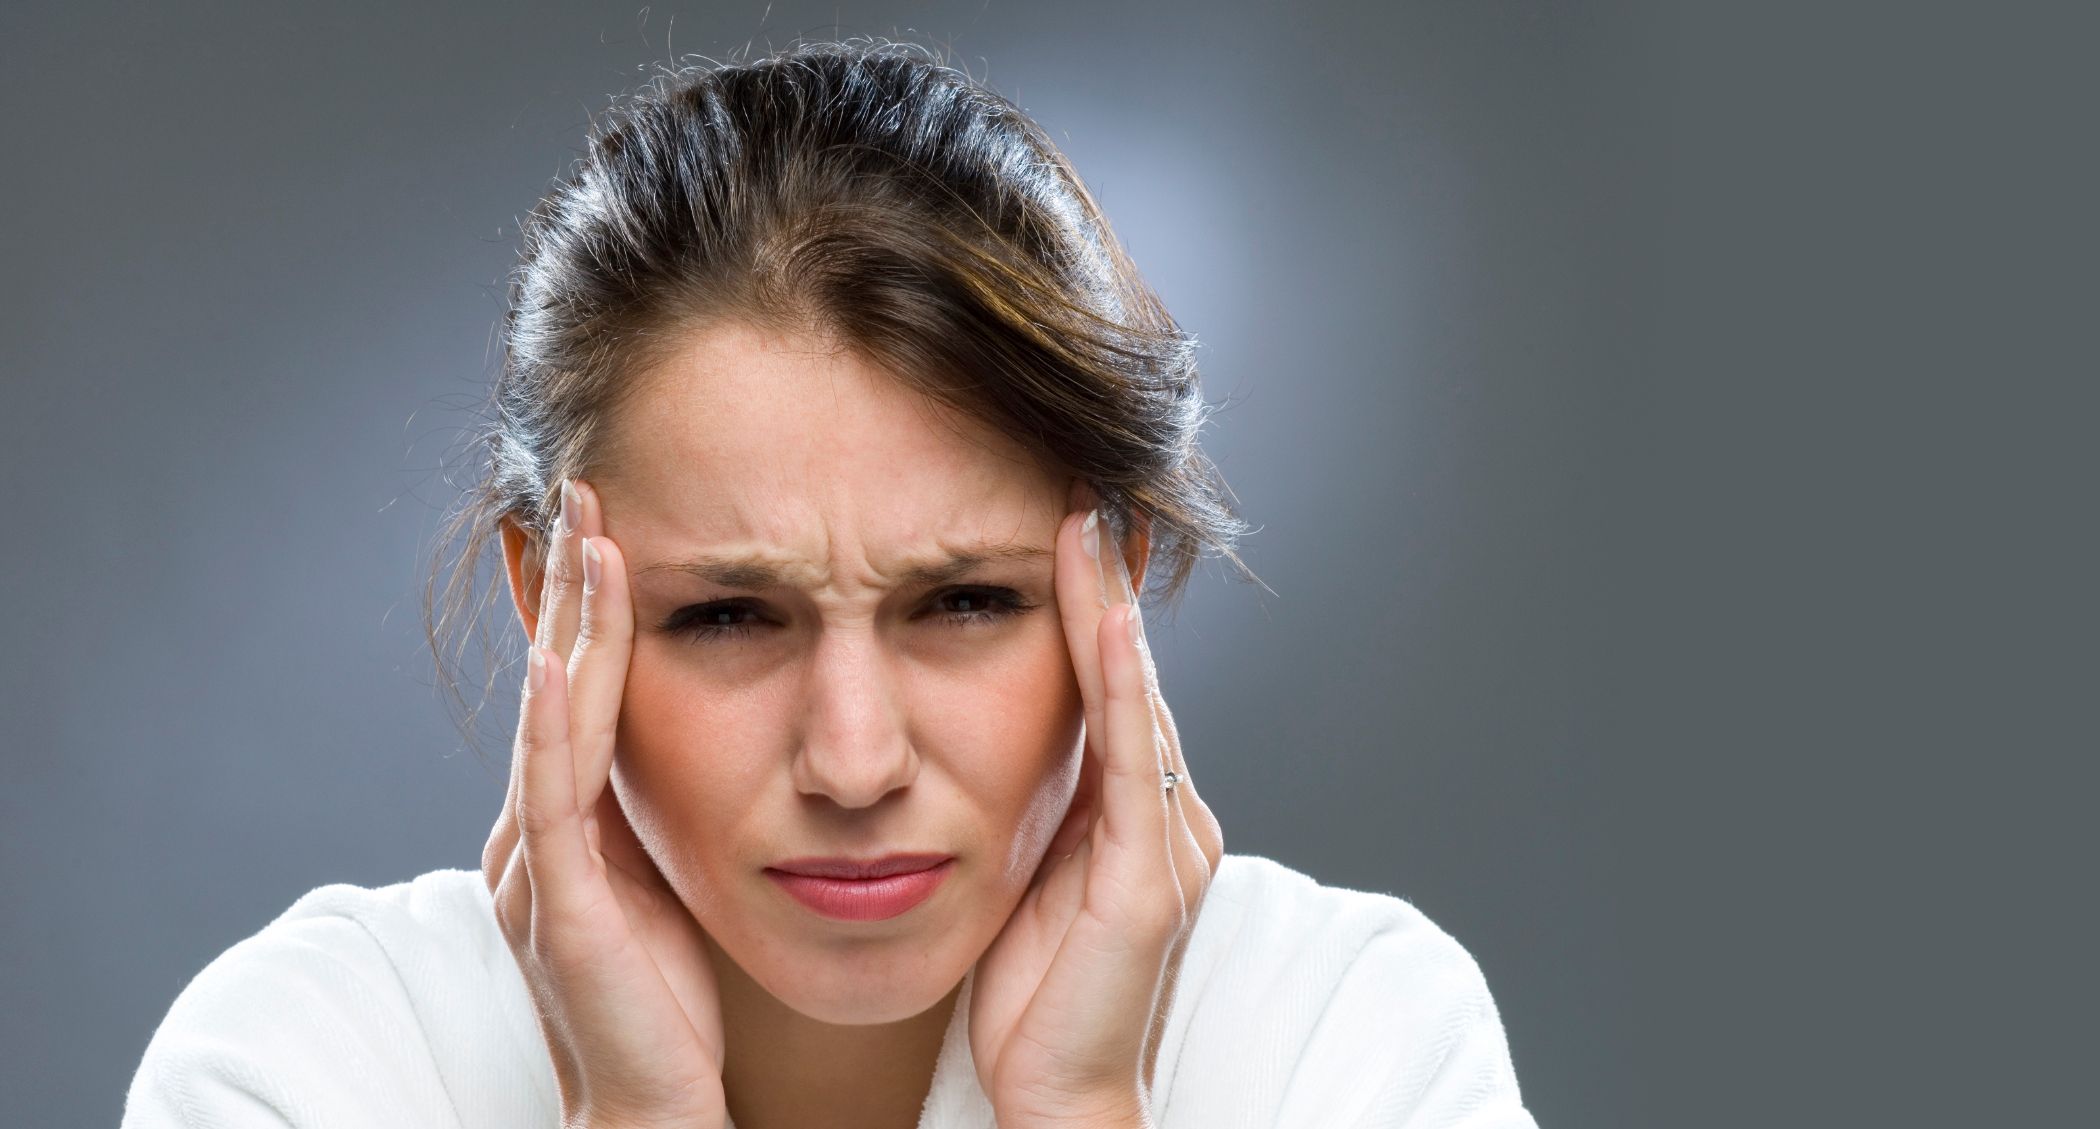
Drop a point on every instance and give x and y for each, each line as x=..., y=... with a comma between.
x=835, y=441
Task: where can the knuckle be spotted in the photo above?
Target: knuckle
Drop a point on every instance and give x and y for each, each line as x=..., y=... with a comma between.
x=1174, y=919
x=558, y=581
x=531, y=741
x=510, y=921
x=501, y=848
x=1199, y=886
x=535, y=819
x=493, y=859
x=1164, y=915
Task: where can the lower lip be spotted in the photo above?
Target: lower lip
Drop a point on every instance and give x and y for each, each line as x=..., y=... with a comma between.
x=862, y=899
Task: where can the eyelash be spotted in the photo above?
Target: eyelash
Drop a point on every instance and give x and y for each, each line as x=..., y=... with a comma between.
x=1006, y=602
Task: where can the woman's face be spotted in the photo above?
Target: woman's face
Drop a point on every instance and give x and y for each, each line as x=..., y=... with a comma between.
x=839, y=707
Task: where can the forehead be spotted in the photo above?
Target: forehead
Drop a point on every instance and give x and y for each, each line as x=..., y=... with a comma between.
x=792, y=449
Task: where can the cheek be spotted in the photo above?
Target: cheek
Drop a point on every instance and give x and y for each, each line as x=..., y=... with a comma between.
x=1023, y=751
x=685, y=793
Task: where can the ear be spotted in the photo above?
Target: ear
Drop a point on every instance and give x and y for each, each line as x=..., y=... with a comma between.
x=522, y=555
x=1138, y=550
x=1137, y=547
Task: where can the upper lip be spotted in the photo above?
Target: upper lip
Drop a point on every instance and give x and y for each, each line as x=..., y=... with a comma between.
x=839, y=867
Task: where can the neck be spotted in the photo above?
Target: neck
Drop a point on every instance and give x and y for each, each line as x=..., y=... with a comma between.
x=784, y=1070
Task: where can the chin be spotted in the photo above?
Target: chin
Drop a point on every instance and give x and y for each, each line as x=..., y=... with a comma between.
x=868, y=973
x=886, y=985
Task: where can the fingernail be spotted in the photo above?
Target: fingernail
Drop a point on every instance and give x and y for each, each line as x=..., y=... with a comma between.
x=536, y=670
x=1090, y=534
x=591, y=564
x=1123, y=577
x=569, y=505
x=1106, y=587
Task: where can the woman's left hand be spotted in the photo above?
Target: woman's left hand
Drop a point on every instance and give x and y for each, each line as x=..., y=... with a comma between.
x=1071, y=1000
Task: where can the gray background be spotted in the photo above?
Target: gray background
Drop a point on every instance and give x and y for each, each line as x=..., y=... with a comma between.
x=1668, y=429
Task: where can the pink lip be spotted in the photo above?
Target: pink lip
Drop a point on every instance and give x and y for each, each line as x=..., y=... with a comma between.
x=891, y=893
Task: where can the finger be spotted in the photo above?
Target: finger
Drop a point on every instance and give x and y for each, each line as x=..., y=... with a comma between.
x=1083, y=600
x=1194, y=843
x=1081, y=605
x=1156, y=1032
x=556, y=859
x=598, y=666
x=1197, y=842
x=497, y=853
x=1091, y=579
x=1117, y=591
x=512, y=896
x=503, y=860
x=1135, y=813
x=503, y=835
x=1188, y=859
x=1195, y=848
x=560, y=605
x=556, y=577
x=555, y=624
x=1112, y=587
x=1202, y=823
x=1200, y=826
x=1186, y=849
x=500, y=851
x=590, y=522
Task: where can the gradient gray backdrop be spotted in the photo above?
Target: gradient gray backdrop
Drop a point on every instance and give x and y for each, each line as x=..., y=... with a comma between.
x=1677, y=508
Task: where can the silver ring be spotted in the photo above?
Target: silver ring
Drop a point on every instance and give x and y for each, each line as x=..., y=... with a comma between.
x=1169, y=779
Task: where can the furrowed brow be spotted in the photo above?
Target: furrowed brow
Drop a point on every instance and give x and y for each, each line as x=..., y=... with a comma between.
x=962, y=564
x=757, y=571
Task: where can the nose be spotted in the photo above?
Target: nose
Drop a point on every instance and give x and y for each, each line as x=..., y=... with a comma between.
x=856, y=747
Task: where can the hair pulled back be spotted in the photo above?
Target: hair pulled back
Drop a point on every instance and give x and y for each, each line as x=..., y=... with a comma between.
x=867, y=193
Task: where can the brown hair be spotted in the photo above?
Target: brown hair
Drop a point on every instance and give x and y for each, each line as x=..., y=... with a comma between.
x=866, y=192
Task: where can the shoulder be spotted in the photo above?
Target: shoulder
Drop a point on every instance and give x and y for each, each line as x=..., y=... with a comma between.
x=1273, y=910
x=349, y=946
x=1271, y=936
x=1319, y=1004
x=355, y=1005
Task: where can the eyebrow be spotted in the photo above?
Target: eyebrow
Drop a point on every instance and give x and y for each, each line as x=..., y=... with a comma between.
x=756, y=571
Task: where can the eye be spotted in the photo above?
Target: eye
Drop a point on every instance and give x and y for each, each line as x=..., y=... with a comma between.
x=704, y=622
x=725, y=620
x=991, y=605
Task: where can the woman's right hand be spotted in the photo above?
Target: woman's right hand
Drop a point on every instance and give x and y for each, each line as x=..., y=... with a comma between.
x=616, y=965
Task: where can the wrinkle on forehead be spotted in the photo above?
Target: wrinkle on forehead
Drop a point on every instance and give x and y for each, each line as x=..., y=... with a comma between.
x=763, y=567
x=761, y=460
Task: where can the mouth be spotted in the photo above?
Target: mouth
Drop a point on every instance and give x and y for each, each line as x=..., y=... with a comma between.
x=857, y=868
x=862, y=890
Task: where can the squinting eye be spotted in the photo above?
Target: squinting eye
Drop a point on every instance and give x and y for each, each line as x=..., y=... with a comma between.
x=1004, y=602
x=698, y=622
x=719, y=621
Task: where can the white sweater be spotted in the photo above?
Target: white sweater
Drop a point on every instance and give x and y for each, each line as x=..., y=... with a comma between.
x=1300, y=1006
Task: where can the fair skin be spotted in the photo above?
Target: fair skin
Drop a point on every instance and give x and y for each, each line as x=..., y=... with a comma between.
x=842, y=707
